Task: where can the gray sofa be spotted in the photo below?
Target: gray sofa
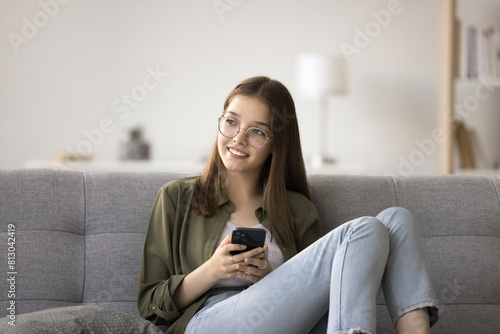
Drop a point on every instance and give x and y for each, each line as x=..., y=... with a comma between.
x=79, y=236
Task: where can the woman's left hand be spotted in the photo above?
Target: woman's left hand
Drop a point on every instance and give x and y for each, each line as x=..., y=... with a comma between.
x=255, y=268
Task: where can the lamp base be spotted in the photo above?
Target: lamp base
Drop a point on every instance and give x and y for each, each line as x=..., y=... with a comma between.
x=318, y=160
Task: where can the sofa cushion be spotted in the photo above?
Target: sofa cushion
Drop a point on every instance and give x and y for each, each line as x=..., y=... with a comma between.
x=77, y=319
x=47, y=210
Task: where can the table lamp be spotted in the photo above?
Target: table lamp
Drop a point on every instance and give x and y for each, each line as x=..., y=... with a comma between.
x=318, y=78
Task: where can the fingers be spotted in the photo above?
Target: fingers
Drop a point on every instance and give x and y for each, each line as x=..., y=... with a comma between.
x=226, y=247
x=227, y=240
x=257, y=252
x=255, y=267
x=266, y=251
x=222, y=264
x=249, y=277
x=260, y=264
x=253, y=273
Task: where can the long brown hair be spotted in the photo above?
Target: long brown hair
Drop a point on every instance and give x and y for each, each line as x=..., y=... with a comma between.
x=283, y=170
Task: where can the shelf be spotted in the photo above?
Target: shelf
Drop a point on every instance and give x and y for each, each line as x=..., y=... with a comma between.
x=474, y=100
x=476, y=82
x=483, y=172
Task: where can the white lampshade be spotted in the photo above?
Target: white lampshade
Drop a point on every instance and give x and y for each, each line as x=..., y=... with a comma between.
x=321, y=75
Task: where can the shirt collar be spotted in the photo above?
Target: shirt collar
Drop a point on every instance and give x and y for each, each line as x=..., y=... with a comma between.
x=222, y=200
x=260, y=212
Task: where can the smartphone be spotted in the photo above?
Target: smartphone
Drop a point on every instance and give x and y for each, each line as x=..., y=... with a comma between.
x=251, y=237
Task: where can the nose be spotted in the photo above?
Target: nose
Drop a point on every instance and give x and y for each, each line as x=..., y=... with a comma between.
x=240, y=138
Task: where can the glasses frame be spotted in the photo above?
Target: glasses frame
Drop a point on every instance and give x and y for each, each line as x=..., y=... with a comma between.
x=246, y=131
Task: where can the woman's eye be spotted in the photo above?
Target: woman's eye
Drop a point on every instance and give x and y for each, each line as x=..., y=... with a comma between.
x=258, y=132
x=231, y=122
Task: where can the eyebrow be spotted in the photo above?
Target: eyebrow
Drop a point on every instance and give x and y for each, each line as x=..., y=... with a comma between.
x=256, y=122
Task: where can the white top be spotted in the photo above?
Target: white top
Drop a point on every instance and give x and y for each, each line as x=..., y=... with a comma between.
x=275, y=256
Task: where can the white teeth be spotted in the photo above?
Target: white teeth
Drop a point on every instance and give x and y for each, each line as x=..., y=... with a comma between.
x=240, y=154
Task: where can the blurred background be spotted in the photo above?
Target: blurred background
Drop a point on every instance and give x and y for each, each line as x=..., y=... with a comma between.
x=76, y=77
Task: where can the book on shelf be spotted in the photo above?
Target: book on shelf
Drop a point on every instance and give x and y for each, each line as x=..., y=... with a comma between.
x=471, y=152
x=478, y=154
x=477, y=52
x=458, y=51
x=464, y=146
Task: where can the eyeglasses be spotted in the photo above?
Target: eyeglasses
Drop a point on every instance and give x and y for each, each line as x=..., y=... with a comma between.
x=229, y=128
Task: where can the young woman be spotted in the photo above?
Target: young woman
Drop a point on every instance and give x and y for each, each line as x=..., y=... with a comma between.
x=190, y=283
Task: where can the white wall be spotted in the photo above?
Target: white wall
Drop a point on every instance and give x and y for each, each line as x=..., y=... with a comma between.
x=64, y=80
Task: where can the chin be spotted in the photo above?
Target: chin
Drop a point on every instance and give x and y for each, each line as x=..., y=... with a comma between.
x=232, y=168
x=235, y=167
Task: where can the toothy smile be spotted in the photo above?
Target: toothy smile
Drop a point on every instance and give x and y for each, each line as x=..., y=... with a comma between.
x=236, y=152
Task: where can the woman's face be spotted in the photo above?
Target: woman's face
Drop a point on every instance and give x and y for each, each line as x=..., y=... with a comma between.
x=236, y=153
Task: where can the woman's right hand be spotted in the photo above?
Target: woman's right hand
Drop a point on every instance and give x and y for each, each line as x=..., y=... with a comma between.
x=223, y=265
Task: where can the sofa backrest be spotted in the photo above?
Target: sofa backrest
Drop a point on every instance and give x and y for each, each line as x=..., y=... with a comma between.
x=79, y=236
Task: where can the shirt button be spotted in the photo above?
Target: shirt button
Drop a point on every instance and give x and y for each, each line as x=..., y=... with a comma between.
x=153, y=307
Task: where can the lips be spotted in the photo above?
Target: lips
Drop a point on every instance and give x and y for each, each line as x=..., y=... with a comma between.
x=237, y=153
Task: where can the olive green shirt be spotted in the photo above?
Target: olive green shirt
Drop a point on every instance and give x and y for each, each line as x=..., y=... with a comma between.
x=178, y=241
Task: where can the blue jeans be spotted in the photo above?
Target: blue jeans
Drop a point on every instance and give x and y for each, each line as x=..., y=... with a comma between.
x=336, y=278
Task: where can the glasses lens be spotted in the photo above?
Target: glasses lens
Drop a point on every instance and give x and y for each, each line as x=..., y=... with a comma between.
x=228, y=127
x=256, y=137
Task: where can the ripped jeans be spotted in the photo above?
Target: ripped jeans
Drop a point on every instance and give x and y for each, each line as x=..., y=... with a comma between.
x=338, y=278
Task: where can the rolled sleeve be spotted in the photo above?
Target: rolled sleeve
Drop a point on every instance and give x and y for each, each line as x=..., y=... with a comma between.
x=162, y=303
